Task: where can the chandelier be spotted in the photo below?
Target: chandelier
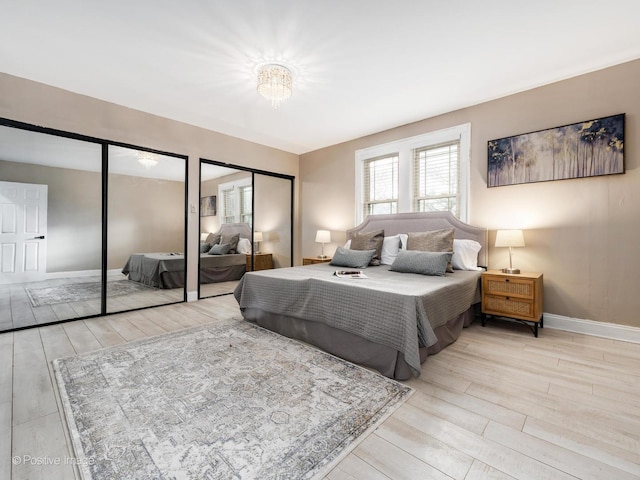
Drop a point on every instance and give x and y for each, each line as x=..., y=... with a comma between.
x=147, y=159
x=274, y=83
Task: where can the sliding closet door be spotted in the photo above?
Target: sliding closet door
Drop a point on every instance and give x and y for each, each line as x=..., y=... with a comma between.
x=145, y=229
x=50, y=228
x=272, y=217
x=225, y=198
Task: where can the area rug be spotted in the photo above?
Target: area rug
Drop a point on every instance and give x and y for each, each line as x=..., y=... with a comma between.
x=230, y=401
x=78, y=292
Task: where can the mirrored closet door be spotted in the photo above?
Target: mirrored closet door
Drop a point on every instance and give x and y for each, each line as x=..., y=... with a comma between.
x=59, y=260
x=51, y=228
x=146, y=229
x=245, y=206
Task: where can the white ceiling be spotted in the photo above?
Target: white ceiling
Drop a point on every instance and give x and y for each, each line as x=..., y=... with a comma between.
x=361, y=66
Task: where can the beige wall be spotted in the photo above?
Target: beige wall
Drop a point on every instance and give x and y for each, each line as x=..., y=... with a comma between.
x=40, y=104
x=580, y=233
x=141, y=213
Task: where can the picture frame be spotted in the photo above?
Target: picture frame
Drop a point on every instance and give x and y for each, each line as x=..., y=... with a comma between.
x=208, y=206
x=578, y=150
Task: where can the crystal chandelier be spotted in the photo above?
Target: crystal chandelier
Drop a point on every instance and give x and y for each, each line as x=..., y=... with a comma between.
x=147, y=159
x=274, y=83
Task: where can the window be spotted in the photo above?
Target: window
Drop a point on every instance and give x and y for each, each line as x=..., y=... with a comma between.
x=380, y=193
x=237, y=201
x=424, y=173
x=435, y=178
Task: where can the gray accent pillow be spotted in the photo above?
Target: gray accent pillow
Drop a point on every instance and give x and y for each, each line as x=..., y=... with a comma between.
x=213, y=238
x=232, y=240
x=344, y=257
x=220, y=249
x=205, y=247
x=432, y=241
x=424, y=263
x=369, y=241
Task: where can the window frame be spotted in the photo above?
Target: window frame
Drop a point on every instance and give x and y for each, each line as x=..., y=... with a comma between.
x=404, y=149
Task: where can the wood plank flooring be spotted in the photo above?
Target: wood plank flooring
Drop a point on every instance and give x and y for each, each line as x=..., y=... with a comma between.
x=497, y=404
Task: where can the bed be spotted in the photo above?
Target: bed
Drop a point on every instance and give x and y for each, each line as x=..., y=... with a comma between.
x=167, y=270
x=389, y=321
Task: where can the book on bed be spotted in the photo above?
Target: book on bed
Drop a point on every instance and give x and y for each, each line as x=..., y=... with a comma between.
x=350, y=274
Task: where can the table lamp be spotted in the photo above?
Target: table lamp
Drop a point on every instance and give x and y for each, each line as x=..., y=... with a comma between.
x=323, y=236
x=510, y=238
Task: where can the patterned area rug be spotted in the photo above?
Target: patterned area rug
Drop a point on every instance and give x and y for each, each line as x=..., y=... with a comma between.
x=230, y=401
x=78, y=292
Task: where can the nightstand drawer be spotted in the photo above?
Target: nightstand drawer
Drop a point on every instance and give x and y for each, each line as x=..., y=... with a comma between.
x=509, y=306
x=513, y=287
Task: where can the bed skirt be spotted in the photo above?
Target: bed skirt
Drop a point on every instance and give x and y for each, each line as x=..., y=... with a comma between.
x=386, y=360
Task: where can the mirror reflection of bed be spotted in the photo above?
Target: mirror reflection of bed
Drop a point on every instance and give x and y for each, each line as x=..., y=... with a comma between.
x=256, y=206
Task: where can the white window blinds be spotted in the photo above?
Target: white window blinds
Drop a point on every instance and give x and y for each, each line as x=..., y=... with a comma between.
x=380, y=185
x=246, y=200
x=228, y=205
x=236, y=204
x=436, y=178
x=422, y=173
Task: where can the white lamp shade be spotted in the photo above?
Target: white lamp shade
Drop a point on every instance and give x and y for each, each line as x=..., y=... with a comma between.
x=509, y=238
x=323, y=236
x=257, y=236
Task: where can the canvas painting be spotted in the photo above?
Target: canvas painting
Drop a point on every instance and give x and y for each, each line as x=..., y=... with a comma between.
x=585, y=149
x=208, y=206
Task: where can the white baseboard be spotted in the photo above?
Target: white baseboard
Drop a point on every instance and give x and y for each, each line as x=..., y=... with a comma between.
x=82, y=273
x=589, y=327
x=192, y=296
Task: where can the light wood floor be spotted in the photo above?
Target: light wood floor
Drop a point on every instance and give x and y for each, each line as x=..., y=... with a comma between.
x=499, y=403
x=16, y=310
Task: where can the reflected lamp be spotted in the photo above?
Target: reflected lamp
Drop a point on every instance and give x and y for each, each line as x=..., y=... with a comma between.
x=257, y=238
x=510, y=238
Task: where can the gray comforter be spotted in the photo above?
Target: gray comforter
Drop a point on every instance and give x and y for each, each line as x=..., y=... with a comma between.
x=156, y=269
x=398, y=310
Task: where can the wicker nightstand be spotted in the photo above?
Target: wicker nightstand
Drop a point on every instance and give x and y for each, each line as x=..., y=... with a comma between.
x=261, y=261
x=314, y=260
x=517, y=296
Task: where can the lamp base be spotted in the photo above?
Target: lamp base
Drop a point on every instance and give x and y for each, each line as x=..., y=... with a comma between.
x=511, y=270
x=322, y=257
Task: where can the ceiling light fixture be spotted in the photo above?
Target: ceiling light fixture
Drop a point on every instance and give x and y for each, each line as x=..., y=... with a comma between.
x=275, y=83
x=147, y=160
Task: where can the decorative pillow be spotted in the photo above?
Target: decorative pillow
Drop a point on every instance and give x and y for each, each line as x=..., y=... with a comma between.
x=244, y=246
x=465, y=254
x=220, y=249
x=403, y=240
x=352, y=258
x=213, y=239
x=232, y=240
x=369, y=241
x=432, y=241
x=424, y=263
x=390, y=249
x=205, y=247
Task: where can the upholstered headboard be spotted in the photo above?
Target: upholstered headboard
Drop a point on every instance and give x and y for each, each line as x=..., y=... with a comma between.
x=424, y=222
x=232, y=228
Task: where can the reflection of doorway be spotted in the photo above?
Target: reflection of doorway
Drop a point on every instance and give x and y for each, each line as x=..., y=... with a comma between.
x=23, y=225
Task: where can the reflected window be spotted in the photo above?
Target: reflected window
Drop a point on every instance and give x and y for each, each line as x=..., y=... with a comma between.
x=237, y=201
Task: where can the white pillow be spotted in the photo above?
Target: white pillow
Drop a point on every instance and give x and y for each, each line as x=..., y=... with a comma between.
x=390, y=249
x=347, y=245
x=465, y=254
x=244, y=246
x=404, y=237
